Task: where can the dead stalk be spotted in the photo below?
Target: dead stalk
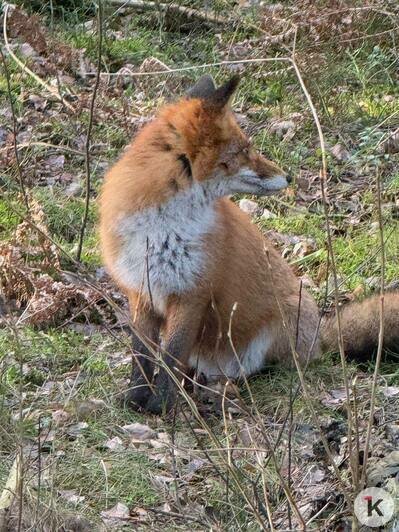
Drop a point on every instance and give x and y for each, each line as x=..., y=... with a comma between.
x=14, y=128
x=380, y=335
x=145, y=5
x=305, y=391
x=89, y=128
x=258, y=420
x=323, y=185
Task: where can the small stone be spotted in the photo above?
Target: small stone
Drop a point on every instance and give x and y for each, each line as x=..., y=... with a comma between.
x=86, y=409
x=248, y=206
x=282, y=127
x=268, y=215
x=73, y=189
x=340, y=153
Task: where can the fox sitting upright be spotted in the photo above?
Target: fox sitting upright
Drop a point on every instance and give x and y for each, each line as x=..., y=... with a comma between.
x=193, y=265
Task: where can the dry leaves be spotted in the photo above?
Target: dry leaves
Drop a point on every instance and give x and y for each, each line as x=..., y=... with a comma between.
x=48, y=56
x=31, y=277
x=119, y=512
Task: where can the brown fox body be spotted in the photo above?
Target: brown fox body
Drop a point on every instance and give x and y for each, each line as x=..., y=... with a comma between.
x=193, y=265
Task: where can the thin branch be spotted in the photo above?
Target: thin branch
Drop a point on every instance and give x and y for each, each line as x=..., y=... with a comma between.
x=89, y=128
x=14, y=128
x=323, y=186
x=27, y=145
x=128, y=72
x=380, y=335
x=305, y=390
x=173, y=7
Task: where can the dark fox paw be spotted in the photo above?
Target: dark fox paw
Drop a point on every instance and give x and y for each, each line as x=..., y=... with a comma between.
x=137, y=396
x=159, y=404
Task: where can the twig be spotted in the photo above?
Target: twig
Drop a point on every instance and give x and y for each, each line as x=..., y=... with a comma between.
x=129, y=72
x=380, y=335
x=48, y=88
x=89, y=128
x=323, y=185
x=186, y=11
x=283, y=484
x=40, y=144
x=305, y=388
x=14, y=128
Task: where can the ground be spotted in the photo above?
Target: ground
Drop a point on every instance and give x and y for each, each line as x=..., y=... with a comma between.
x=256, y=463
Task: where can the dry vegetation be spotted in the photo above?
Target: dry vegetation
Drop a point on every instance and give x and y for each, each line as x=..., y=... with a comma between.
x=71, y=457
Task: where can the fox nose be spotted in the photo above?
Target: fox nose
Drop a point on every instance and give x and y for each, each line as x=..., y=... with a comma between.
x=288, y=178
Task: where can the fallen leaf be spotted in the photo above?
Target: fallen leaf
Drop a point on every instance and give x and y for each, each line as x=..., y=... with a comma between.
x=76, y=430
x=71, y=496
x=391, y=391
x=60, y=416
x=384, y=468
x=118, y=512
x=114, y=444
x=139, y=432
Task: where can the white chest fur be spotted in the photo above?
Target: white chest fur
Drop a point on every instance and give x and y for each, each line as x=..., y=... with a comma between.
x=163, y=248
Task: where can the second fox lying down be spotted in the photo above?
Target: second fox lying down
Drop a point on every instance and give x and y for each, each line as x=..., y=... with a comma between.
x=193, y=265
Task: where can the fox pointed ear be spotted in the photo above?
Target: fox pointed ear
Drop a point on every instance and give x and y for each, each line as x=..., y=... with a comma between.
x=222, y=96
x=204, y=88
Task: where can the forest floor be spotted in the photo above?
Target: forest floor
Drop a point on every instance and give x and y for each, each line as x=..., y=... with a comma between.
x=88, y=463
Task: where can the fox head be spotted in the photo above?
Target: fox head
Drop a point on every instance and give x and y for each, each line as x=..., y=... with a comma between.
x=213, y=146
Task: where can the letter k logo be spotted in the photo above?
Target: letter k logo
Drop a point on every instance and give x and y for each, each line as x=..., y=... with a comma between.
x=373, y=507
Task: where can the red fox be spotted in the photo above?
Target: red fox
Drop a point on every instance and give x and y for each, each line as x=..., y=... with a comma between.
x=193, y=265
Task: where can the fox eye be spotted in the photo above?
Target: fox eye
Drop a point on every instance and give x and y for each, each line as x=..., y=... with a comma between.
x=225, y=166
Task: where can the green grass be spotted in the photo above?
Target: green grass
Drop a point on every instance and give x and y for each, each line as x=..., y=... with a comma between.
x=8, y=220
x=127, y=476
x=63, y=216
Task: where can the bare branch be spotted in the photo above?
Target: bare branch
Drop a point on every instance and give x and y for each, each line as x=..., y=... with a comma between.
x=380, y=335
x=14, y=127
x=89, y=128
x=188, y=12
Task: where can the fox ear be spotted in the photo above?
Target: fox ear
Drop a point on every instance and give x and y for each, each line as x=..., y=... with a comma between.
x=206, y=90
x=203, y=89
x=222, y=96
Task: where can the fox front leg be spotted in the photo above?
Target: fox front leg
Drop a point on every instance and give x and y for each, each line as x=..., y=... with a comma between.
x=178, y=339
x=146, y=326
